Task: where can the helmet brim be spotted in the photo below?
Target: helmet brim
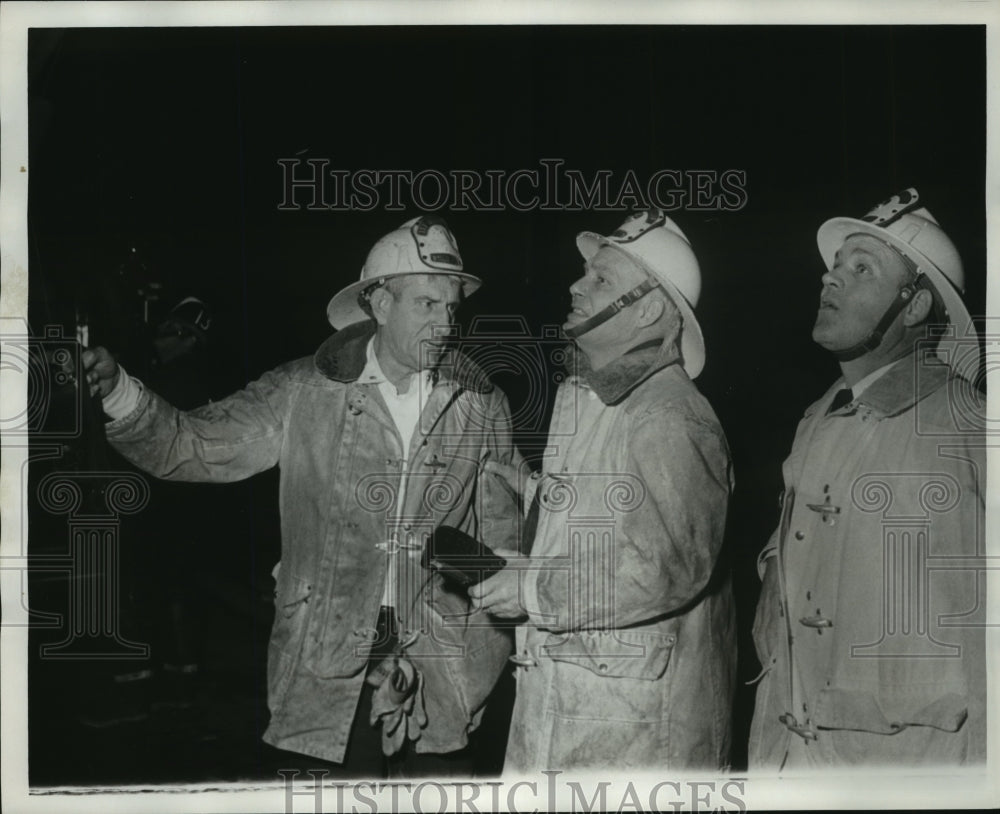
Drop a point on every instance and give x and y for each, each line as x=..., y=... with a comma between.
x=343, y=308
x=692, y=340
x=831, y=236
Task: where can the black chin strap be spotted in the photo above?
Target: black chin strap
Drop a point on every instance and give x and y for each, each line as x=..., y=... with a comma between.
x=874, y=339
x=624, y=301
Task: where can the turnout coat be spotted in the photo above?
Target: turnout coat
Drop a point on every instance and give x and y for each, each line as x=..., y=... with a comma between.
x=348, y=504
x=870, y=621
x=628, y=656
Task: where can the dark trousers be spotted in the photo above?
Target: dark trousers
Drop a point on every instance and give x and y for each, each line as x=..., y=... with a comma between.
x=364, y=758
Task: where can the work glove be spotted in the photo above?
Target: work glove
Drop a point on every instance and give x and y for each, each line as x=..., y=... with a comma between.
x=398, y=703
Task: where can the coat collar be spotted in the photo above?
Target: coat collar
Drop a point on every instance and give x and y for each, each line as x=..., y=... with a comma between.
x=342, y=358
x=910, y=380
x=616, y=380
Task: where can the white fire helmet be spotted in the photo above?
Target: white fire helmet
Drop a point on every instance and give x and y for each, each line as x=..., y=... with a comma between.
x=422, y=245
x=658, y=245
x=912, y=231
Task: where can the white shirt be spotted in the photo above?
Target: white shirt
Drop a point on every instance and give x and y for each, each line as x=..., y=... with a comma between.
x=405, y=408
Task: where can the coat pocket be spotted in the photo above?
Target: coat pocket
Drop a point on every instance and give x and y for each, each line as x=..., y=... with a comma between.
x=642, y=655
x=918, y=729
x=616, y=677
x=342, y=647
x=862, y=711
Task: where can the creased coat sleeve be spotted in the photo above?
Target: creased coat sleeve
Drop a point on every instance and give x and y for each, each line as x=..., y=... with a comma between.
x=223, y=441
x=665, y=546
x=499, y=514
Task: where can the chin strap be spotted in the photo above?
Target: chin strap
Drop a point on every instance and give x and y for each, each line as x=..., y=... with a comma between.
x=874, y=339
x=624, y=301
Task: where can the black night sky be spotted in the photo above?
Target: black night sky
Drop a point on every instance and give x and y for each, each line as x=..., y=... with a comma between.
x=168, y=141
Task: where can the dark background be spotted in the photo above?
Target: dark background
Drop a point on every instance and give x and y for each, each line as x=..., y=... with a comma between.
x=167, y=141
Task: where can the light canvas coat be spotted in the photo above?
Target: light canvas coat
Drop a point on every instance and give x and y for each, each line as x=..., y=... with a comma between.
x=629, y=654
x=869, y=621
x=346, y=505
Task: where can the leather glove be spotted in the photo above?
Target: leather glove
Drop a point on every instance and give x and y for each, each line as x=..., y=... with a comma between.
x=398, y=704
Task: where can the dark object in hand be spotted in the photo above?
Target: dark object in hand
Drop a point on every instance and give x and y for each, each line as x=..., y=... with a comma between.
x=459, y=558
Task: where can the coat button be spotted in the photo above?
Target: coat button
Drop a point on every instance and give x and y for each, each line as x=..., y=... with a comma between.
x=799, y=535
x=602, y=667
